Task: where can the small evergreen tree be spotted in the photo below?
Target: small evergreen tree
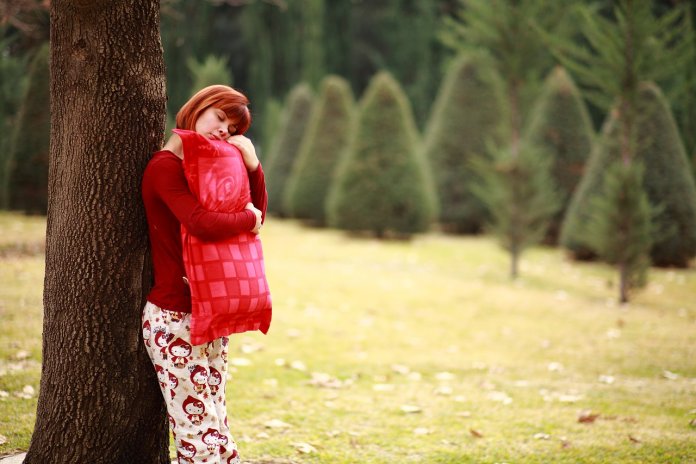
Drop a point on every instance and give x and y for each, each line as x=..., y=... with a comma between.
x=467, y=116
x=626, y=48
x=619, y=229
x=12, y=88
x=561, y=127
x=28, y=161
x=383, y=184
x=286, y=144
x=324, y=142
x=507, y=30
x=668, y=182
x=211, y=71
x=273, y=113
x=521, y=197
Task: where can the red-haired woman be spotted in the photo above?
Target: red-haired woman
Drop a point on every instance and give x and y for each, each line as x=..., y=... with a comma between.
x=218, y=113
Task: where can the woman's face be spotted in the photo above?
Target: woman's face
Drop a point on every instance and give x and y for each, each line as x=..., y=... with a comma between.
x=214, y=124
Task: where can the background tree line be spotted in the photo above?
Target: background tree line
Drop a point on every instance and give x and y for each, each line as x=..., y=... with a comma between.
x=475, y=115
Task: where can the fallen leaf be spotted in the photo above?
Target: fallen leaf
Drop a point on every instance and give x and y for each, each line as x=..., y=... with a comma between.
x=21, y=355
x=410, y=409
x=443, y=390
x=692, y=423
x=565, y=443
x=475, y=433
x=569, y=398
x=608, y=379
x=333, y=433
x=587, y=416
x=415, y=376
x=248, y=348
x=304, y=448
x=4, y=394
x=280, y=362
x=3, y=439
x=542, y=436
x=555, y=367
x=298, y=366
x=634, y=439
x=501, y=397
x=443, y=376
x=383, y=387
x=401, y=369
x=613, y=333
x=277, y=424
x=421, y=431
x=323, y=380
x=240, y=362
x=459, y=399
x=670, y=375
x=273, y=383
x=262, y=435
x=293, y=333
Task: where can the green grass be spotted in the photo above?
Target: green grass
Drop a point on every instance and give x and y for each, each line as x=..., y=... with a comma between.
x=433, y=323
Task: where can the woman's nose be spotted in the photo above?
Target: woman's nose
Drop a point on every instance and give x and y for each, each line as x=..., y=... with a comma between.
x=222, y=132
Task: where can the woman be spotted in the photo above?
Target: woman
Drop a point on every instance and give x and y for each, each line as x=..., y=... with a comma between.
x=192, y=377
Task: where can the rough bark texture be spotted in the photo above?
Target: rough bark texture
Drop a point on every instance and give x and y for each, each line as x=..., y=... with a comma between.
x=99, y=401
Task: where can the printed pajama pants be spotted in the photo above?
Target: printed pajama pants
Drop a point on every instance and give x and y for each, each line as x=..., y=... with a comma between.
x=192, y=379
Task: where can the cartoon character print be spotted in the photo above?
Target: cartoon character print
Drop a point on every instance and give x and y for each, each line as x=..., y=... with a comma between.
x=162, y=339
x=199, y=377
x=180, y=351
x=173, y=383
x=176, y=316
x=194, y=410
x=224, y=342
x=210, y=438
x=234, y=459
x=186, y=452
x=222, y=441
x=161, y=376
x=172, y=422
x=147, y=332
x=214, y=381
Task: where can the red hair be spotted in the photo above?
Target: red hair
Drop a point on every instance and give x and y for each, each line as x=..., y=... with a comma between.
x=232, y=102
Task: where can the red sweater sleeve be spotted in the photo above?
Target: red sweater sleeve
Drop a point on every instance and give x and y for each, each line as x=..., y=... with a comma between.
x=165, y=178
x=259, y=196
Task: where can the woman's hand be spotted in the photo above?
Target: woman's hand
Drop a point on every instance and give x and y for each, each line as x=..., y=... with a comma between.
x=257, y=228
x=251, y=161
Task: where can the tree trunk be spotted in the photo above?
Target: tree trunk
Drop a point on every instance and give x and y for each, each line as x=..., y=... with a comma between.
x=99, y=400
x=623, y=283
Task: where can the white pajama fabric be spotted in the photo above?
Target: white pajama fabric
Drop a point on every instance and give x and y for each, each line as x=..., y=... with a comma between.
x=192, y=379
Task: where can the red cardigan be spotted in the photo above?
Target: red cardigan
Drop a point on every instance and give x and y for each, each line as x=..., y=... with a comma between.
x=169, y=204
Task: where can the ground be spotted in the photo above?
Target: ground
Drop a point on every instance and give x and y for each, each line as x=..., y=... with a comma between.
x=422, y=351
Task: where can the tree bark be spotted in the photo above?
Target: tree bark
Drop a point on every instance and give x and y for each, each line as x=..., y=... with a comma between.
x=99, y=400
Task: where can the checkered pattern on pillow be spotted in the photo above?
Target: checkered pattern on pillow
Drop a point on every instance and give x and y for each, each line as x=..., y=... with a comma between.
x=229, y=291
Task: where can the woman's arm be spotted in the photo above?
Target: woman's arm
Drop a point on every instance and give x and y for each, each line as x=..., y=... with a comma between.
x=166, y=179
x=257, y=180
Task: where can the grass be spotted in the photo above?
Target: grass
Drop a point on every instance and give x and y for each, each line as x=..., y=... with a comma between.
x=435, y=325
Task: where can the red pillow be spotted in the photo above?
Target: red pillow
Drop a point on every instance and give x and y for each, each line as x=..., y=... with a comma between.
x=229, y=291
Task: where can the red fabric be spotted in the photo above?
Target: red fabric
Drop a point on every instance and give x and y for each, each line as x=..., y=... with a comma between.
x=169, y=204
x=229, y=291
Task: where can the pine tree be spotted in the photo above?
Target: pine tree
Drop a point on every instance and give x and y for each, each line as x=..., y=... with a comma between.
x=212, y=70
x=626, y=48
x=619, y=229
x=668, y=182
x=561, y=127
x=467, y=116
x=324, y=142
x=509, y=31
x=28, y=161
x=383, y=184
x=286, y=144
x=520, y=195
x=12, y=88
